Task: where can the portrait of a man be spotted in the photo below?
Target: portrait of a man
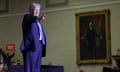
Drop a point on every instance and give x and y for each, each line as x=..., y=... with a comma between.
x=92, y=38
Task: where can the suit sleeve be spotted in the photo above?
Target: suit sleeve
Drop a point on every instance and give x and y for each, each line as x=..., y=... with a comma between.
x=27, y=41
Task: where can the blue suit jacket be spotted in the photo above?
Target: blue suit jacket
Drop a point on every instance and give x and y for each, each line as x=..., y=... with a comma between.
x=30, y=40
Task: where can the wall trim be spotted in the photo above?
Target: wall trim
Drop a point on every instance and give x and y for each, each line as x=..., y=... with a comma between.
x=69, y=8
x=83, y=6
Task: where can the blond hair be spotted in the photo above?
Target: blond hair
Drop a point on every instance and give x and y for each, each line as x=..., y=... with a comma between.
x=33, y=6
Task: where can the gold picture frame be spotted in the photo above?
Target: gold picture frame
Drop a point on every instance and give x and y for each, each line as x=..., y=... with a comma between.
x=54, y=3
x=3, y=6
x=93, y=37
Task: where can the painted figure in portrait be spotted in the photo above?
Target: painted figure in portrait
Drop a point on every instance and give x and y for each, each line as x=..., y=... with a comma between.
x=92, y=37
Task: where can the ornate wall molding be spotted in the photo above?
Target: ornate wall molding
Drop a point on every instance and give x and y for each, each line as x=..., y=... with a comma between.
x=69, y=8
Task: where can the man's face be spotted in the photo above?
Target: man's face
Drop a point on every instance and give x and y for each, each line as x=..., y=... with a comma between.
x=36, y=11
x=90, y=24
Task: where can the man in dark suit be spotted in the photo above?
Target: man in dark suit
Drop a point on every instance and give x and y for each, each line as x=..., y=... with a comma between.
x=34, y=40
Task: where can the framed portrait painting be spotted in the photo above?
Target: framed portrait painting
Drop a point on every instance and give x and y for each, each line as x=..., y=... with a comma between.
x=93, y=37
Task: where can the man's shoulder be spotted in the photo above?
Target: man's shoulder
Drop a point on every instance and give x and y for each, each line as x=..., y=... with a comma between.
x=29, y=18
x=28, y=15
